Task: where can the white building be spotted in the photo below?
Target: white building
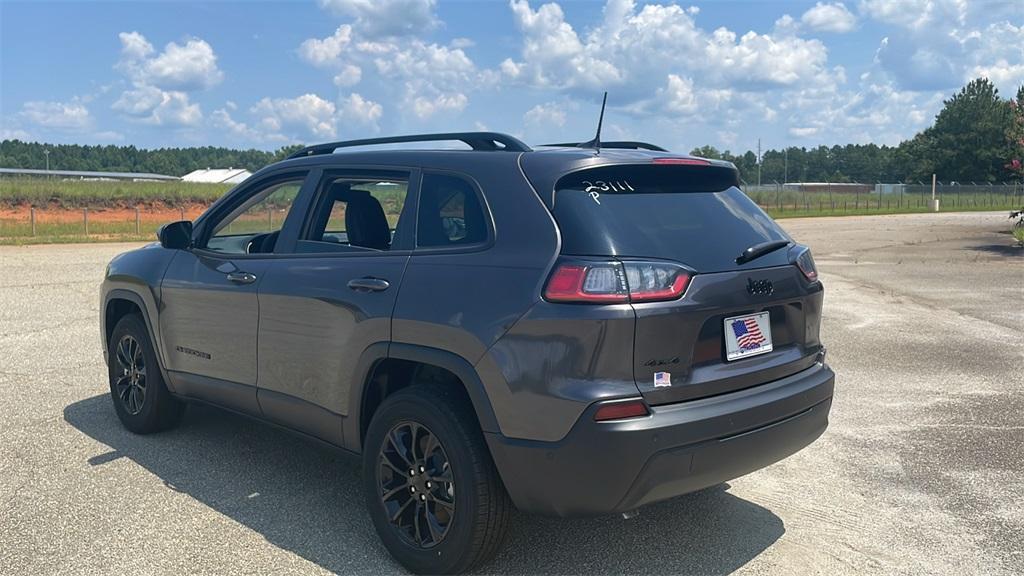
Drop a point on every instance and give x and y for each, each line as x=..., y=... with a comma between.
x=217, y=175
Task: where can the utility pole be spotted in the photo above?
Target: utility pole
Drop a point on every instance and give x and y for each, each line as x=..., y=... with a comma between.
x=47, y=154
x=758, y=162
x=785, y=166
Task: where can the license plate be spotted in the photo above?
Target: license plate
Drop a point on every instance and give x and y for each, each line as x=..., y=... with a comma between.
x=747, y=335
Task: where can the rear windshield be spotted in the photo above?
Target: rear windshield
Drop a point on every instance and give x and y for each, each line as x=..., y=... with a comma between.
x=694, y=215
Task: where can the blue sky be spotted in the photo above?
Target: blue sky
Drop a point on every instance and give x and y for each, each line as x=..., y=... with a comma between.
x=265, y=74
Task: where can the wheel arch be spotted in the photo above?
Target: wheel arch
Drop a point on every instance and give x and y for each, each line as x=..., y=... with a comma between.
x=383, y=360
x=119, y=302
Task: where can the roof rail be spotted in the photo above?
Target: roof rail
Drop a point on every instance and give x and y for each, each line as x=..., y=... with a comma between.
x=475, y=140
x=622, y=144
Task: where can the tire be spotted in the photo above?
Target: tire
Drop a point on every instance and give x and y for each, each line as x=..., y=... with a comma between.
x=141, y=399
x=478, y=517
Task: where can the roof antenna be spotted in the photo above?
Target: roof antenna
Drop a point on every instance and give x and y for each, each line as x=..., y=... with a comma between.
x=596, y=142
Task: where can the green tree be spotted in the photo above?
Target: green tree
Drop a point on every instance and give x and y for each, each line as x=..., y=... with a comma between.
x=707, y=152
x=1015, y=136
x=968, y=141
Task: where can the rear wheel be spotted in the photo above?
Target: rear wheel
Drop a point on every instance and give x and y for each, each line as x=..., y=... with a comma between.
x=141, y=400
x=433, y=493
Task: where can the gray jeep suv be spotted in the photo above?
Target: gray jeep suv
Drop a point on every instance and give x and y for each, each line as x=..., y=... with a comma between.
x=572, y=330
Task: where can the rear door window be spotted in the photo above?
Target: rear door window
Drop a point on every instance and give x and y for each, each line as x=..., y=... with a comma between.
x=694, y=215
x=358, y=212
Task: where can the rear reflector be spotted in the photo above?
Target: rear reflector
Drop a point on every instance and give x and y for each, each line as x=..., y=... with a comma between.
x=613, y=281
x=620, y=410
x=685, y=161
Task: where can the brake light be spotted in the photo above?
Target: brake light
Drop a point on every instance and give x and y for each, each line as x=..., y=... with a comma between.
x=621, y=410
x=805, y=262
x=684, y=161
x=615, y=282
x=592, y=282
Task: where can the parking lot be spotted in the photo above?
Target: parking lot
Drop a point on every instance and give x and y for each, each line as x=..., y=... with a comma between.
x=921, y=470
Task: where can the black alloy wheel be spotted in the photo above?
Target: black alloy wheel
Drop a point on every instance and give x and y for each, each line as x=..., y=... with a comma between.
x=141, y=398
x=431, y=487
x=131, y=383
x=417, y=487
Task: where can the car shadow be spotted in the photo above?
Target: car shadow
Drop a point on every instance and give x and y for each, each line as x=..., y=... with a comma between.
x=1007, y=249
x=307, y=499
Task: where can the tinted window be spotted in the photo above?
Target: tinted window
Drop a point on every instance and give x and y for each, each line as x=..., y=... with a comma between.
x=690, y=214
x=450, y=213
x=356, y=213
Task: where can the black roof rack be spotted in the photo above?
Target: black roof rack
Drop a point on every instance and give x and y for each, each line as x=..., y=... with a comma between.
x=475, y=140
x=622, y=144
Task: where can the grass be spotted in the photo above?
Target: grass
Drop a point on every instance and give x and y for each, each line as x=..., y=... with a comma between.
x=1018, y=234
x=95, y=194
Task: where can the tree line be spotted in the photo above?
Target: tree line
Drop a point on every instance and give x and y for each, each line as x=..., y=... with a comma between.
x=169, y=161
x=976, y=137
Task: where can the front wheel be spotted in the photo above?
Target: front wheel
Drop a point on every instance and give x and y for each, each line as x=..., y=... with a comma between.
x=141, y=399
x=433, y=492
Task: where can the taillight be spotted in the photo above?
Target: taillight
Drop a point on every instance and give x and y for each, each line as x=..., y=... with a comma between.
x=805, y=262
x=587, y=282
x=653, y=281
x=621, y=410
x=613, y=281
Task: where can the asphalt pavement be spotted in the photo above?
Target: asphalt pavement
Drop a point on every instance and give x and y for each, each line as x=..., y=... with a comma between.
x=920, y=472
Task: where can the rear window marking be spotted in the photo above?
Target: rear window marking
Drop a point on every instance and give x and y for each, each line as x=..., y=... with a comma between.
x=595, y=188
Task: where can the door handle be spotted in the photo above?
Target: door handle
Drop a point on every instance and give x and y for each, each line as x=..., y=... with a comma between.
x=369, y=284
x=239, y=277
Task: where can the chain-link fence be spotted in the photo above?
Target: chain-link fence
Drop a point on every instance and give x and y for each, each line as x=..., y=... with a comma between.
x=830, y=197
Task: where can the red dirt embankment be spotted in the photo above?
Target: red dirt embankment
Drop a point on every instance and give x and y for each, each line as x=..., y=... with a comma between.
x=156, y=211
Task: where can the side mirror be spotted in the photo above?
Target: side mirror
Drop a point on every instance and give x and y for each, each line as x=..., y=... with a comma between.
x=176, y=235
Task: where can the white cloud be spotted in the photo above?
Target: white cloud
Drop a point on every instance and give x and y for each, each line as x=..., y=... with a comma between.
x=359, y=111
x=679, y=96
x=434, y=77
x=424, y=107
x=324, y=51
x=943, y=45
x=71, y=116
x=162, y=82
x=350, y=75
x=632, y=49
x=829, y=18
x=222, y=119
x=297, y=118
x=152, y=105
x=14, y=134
x=134, y=46
x=545, y=116
x=996, y=52
x=183, y=67
x=805, y=132
x=387, y=17
x=917, y=15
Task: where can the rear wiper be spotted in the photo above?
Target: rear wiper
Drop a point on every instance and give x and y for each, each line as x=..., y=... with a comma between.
x=758, y=250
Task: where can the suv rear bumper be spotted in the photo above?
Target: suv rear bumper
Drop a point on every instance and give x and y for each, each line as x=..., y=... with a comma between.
x=608, y=467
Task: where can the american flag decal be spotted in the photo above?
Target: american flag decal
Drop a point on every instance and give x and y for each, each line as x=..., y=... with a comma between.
x=748, y=334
